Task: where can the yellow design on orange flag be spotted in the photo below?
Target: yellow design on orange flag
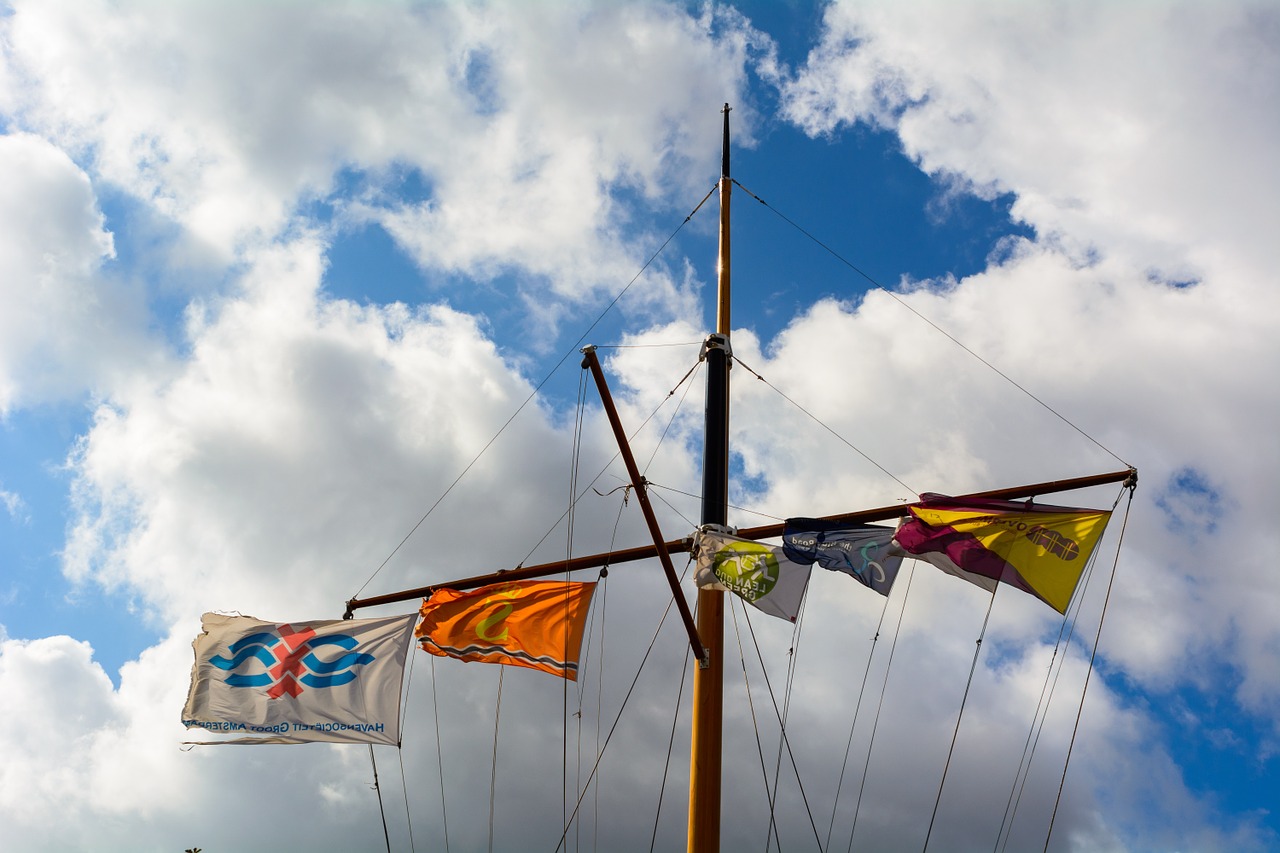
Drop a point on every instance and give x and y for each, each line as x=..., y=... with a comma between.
x=537, y=624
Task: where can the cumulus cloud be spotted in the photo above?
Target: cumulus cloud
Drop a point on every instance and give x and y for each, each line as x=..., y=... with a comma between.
x=274, y=464
x=498, y=111
x=1110, y=141
x=64, y=327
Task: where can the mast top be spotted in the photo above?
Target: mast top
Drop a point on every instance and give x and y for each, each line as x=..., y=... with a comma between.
x=724, y=157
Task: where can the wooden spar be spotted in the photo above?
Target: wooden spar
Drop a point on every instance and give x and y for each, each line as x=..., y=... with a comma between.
x=592, y=362
x=680, y=546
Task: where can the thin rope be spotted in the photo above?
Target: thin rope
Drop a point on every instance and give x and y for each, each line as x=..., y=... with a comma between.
x=378, y=790
x=820, y=423
x=1060, y=652
x=571, y=515
x=875, y=723
x=789, y=681
x=493, y=769
x=755, y=723
x=652, y=486
x=606, y=467
x=614, y=727
x=435, y=709
x=404, y=785
x=671, y=742
x=1089, y=674
x=935, y=326
x=572, y=349
x=835, y=805
x=817, y=836
x=652, y=346
x=603, y=591
x=672, y=420
x=973, y=666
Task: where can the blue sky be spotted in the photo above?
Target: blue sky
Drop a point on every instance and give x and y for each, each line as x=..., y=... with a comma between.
x=270, y=279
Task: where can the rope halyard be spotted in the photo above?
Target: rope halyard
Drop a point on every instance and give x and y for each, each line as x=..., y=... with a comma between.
x=835, y=802
x=956, y=732
x=1048, y=689
x=1132, y=485
x=804, y=798
x=897, y=631
x=932, y=324
x=534, y=393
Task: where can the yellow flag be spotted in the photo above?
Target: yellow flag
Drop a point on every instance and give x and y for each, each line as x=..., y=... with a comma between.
x=1040, y=549
x=538, y=624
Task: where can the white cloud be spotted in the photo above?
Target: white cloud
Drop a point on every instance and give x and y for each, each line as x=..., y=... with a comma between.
x=524, y=123
x=63, y=326
x=1111, y=154
x=277, y=464
x=1140, y=131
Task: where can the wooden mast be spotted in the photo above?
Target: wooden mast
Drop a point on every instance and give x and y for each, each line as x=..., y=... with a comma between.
x=708, y=680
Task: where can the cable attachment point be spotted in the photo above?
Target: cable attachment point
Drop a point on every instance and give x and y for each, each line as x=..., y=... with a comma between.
x=717, y=342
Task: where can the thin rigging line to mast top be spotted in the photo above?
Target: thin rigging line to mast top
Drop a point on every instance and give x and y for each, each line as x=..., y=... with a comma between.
x=935, y=326
x=822, y=424
x=534, y=393
x=615, y=456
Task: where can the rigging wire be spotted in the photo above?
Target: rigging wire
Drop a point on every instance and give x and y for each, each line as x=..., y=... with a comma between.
x=1132, y=486
x=378, y=789
x=435, y=708
x=616, y=720
x=822, y=424
x=935, y=326
x=671, y=742
x=792, y=657
x=534, y=393
x=612, y=459
x=875, y=723
x=493, y=770
x=575, y=457
x=404, y=785
x=786, y=741
x=835, y=805
x=1047, y=691
x=603, y=591
x=755, y=723
x=973, y=666
x=652, y=485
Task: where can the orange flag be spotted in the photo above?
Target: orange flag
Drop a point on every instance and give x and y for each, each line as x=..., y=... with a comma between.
x=537, y=624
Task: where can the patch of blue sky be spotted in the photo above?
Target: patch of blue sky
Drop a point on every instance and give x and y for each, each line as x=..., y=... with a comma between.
x=149, y=253
x=1193, y=506
x=36, y=599
x=366, y=266
x=899, y=223
x=1207, y=731
x=481, y=83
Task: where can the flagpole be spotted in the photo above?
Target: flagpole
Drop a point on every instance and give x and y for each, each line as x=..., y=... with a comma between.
x=708, y=680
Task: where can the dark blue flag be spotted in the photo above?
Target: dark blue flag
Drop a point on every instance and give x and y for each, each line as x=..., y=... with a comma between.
x=864, y=551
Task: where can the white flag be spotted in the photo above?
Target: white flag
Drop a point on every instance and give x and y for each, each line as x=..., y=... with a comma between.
x=759, y=573
x=335, y=680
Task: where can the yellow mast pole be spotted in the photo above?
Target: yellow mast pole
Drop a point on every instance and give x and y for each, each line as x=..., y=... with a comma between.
x=708, y=680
